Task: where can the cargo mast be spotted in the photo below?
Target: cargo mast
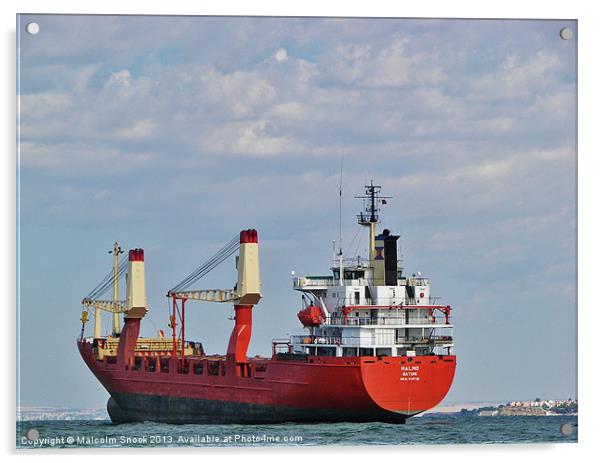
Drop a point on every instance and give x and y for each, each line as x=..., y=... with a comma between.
x=116, y=318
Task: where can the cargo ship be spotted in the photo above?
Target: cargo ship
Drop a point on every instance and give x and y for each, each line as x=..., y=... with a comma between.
x=375, y=346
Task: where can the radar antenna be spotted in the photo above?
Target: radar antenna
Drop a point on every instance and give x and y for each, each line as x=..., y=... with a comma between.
x=369, y=216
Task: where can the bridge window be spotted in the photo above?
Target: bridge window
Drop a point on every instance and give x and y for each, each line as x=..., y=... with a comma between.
x=349, y=274
x=198, y=368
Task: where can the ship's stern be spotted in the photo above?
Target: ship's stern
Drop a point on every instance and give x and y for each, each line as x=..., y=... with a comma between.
x=408, y=385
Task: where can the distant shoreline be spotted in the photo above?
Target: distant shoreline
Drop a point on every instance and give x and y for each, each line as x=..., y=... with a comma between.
x=539, y=407
x=61, y=413
x=458, y=406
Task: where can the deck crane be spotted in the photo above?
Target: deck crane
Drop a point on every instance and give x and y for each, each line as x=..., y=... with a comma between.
x=115, y=306
x=245, y=294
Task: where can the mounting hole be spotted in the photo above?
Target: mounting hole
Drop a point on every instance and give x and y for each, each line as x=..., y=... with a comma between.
x=566, y=33
x=32, y=434
x=32, y=28
x=566, y=429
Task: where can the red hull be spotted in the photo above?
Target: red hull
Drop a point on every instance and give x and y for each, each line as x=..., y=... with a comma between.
x=291, y=389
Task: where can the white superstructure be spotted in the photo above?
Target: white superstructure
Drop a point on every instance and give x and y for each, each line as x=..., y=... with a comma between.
x=372, y=308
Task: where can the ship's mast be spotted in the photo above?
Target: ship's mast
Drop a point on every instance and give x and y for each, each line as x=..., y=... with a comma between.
x=373, y=221
x=116, y=321
x=369, y=217
x=341, y=226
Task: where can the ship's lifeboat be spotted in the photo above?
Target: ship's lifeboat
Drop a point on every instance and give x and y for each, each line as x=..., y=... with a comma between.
x=312, y=315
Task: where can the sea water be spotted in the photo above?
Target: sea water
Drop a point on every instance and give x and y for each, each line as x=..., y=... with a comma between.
x=418, y=430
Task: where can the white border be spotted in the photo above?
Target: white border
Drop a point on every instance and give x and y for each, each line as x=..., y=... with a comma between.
x=589, y=192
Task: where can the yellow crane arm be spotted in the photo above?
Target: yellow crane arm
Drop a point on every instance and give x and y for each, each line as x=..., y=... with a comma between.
x=107, y=306
x=208, y=295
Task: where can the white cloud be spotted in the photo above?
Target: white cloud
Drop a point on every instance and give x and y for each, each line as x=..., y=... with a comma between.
x=121, y=86
x=517, y=78
x=140, y=130
x=388, y=96
x=118, y=79
x=45, y=105
x=73, y=157
x=483, y=171
x=292, y=110
x=237, y=94
x=257, y=138
x=395, y=64
x=281, y=55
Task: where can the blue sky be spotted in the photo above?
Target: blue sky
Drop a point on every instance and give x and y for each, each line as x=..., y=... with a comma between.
x=173, y=133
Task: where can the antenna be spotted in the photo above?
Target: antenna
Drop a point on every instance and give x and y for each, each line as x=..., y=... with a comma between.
x=341, y=225
x=341, y=209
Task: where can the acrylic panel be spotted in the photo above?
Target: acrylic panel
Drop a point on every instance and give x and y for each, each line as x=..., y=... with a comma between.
x=280, y=231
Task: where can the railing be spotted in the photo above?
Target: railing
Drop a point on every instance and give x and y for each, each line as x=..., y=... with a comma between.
x=370, y=321
x=299, y=282
x=397, y=302
x=316, y=339
x=109, y=346
x=359, y=262
x=332, y=281
x=352, y=262
x=305, y=282
x=394, y=302
x=385, y=302
x=154, y=344
x=431, y=301
x=336, y=340
x=280, y=346
x=424, y=340
x=356, y=341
